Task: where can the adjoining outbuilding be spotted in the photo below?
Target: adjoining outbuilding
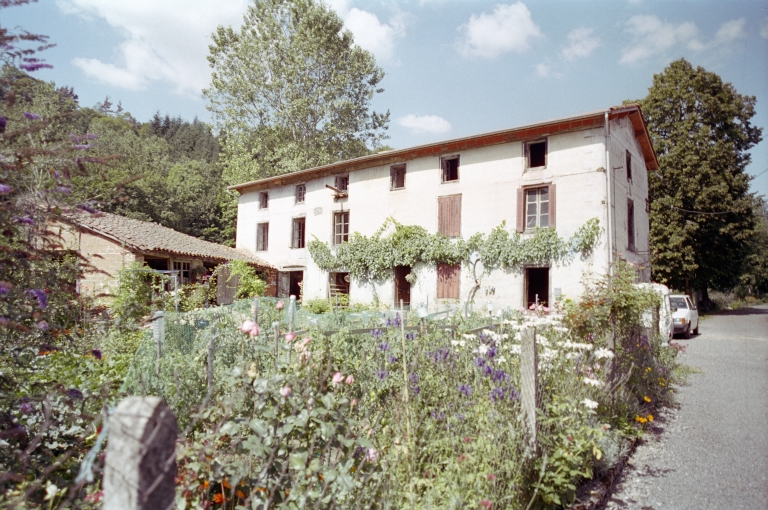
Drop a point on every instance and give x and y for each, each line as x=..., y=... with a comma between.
x=559, y=174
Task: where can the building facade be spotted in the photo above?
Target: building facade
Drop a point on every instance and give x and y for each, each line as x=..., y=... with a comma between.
x=556, y=174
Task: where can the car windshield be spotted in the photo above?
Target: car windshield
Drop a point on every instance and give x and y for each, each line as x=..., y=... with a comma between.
x=678, y=302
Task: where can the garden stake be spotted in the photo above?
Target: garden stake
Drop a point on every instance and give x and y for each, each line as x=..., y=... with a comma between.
x=405, y=393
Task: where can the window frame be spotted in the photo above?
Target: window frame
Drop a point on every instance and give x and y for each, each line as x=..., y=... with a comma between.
x=444, y=168
x=393, y=171
x=300, y=193
x=538, y=214
x=263, y=237
x=527, y=149
x=263, y=199
x=337, y=183
x=340, y=238
x=185, y=270
x=629, y=166
x=298, y=234
x=631, y=241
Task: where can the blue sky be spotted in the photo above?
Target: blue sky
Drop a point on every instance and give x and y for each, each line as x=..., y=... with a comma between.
x=454, y=68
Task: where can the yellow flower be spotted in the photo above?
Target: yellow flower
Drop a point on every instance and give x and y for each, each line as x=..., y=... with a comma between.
x=650, y=417
x=647, y=398
x=640, y=419
x=648, y=369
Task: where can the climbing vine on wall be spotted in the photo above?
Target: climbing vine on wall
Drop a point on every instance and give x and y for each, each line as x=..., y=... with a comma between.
x=395, y=244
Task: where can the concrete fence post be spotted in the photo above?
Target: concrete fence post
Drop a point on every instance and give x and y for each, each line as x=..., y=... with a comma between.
x=529, y=382
x=141, y=456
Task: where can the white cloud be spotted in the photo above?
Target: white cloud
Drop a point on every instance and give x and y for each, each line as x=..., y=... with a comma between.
x=425, y=123
x=508, y=28
x=652, y=37
x=370, y=33
x=543, y=70
x=166, y=41
x=582, y=43
x=730, y=31
x=764, y=29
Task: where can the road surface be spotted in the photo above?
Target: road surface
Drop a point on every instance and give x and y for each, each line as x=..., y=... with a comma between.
x=711, y=452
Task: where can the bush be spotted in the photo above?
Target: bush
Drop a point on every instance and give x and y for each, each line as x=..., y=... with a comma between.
x=317, y=306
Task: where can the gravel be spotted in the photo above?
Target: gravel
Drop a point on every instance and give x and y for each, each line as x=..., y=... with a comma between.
x=712, y=451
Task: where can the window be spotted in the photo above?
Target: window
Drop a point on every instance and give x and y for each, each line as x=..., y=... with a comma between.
x=262, y=237
x=448, y=276
x=536, y=207
x=630, y=225
x=340, y=227
x=342, y=182
x=183, y=269
x=397, y=176
x=450, y=166
x=297, y=237
x=629, y=166
x=264, y=200
x=536, y=154
x=449, y=215
x=301, y=190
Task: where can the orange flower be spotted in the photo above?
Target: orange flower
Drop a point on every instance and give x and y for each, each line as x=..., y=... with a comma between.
x=647, y=398
x=240, y=494
x=225, y=483
x=218, y=498
x=650, y=417
x=206, y=484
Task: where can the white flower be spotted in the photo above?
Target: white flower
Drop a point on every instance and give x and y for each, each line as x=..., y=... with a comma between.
x=460, y=343
x=481, y=349
x=514, y=349
x=593, y=382
x=604, y=353
x=501, y=359
x=589, y=404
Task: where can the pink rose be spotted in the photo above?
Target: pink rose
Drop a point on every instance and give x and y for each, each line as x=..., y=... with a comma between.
x=338, y=377
x=247, y=326
x=350, y=379
x=254, y=330
x=285, y=391
x=289, y=337
x=354, y=402
x=371, y=455
x=280, y=305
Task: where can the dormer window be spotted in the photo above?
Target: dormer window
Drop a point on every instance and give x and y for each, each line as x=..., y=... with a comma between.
x=536, y=154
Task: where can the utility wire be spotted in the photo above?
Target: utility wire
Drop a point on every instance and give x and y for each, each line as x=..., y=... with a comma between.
x=701, y=212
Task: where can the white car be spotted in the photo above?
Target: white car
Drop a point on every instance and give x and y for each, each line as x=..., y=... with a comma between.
x=684, y=315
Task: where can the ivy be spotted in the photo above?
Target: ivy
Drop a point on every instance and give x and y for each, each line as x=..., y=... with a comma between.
x=395, y=244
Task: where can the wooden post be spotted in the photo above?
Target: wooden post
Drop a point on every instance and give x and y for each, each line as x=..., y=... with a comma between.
x=529, y=383
x=158, y=335
x=141, y=456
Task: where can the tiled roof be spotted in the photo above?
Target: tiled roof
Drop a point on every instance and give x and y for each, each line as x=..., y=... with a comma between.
x=528, y=132
x=147, y=237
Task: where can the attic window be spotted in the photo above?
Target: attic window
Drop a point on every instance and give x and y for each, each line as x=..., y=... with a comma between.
x=450, y=167
x=397, y=173
x=536, y=153
x=264, y=200
x=301, y=191
x=342, y=182
x=629, y=166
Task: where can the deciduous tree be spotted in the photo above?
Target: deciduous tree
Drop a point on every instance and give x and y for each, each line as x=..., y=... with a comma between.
x=702, y=220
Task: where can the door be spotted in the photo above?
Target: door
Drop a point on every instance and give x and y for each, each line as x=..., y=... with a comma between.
x=402, y=286
x=294, y=288
x=283, y=284
x=536, y=286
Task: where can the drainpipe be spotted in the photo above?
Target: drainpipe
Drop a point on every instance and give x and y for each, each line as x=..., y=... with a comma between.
x=608, y=193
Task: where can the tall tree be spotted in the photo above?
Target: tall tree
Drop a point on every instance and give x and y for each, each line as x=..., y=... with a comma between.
x=702, y=220
x=291, y=90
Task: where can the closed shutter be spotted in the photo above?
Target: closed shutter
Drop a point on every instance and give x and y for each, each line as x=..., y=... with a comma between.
x=449, y=215
x=448, y=276
x=552, y=205
x=520, y=210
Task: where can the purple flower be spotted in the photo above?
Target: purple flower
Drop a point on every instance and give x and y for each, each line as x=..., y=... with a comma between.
x=31, y=116
x=82, y=147
x=63, y=190
x=440, y=355
x=87, y=208
x=414, y=383
x=25, y=408
x=438, y=416
x=412, y=336
x=40, y=296
x=4, y=188
x=479, y=362
x=499, y=376
x=5, y=288
x=75, y=394
x=32, y=67
x=497, y=394
x=491, y=352
x=392, y=359
x=513, y=394
x=382, y=374
x=42, y=326
x=24, y=219
x=3, y=123
x=96, y=353
x=384, y=346
x=376, y=333
x=465, y=390
x=56, y=174
x=488, y=370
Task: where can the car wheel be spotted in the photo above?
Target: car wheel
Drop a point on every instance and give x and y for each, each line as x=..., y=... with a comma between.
x=696, y=331
x=687, y=332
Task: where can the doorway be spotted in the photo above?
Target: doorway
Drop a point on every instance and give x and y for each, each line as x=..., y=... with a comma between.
x=536, y=286
x=402, y=286
x=294, y=288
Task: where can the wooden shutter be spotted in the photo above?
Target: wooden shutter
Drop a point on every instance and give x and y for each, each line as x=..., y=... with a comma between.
x=449, y=215
x=552, y=205
x=448, y=276
x=520, y=210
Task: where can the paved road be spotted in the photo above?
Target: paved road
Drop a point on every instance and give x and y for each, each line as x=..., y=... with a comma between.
x=712, y=452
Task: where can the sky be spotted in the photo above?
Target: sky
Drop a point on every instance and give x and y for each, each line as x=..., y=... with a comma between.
x=454, y=68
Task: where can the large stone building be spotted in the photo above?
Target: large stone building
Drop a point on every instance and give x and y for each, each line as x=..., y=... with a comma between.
x=557, y=174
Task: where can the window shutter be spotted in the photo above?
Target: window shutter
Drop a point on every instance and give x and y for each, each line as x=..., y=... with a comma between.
x=449, y=215
x=455, y=216
x=520, y=210
x=448, y=281
x=552, y=205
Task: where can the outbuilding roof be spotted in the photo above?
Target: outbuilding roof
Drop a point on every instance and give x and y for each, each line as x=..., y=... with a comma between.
x=527, y=132
x=147, y=237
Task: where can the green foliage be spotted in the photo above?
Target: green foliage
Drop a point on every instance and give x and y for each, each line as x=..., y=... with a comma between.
x=701, y=132
x=250, y=283
x=394, y=244
x=290, y=90
x=317, y=306
x=134, y=297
